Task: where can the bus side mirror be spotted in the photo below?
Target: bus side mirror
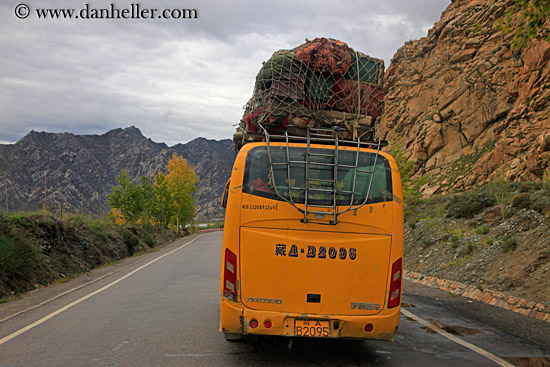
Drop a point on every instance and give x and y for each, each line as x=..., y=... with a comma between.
x=225, y=194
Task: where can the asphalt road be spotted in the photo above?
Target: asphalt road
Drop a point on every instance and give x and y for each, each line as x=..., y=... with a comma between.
x=162, y=310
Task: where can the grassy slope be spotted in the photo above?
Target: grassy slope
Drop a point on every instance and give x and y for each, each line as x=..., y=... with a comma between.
x=37, y=249
x=495, y=237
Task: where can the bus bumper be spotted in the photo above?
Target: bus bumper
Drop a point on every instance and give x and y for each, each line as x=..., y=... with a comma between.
x=235, y=320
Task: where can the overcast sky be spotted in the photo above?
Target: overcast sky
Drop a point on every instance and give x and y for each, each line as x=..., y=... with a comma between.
x=174, y=79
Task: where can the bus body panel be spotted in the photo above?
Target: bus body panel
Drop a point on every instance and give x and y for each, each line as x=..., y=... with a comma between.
x=278, y=214
x=341, y=274
x=262, y=212
x=275, y=288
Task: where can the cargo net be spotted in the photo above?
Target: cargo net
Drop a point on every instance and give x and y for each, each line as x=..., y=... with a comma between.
x=320, y=84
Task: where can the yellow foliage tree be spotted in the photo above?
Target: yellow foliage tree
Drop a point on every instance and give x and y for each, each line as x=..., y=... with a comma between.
x=181, y=180
x=168, y=199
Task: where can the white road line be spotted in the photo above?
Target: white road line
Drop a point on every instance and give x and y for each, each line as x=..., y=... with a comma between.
x=65, y=308
x=483, y=352
x=61, y=295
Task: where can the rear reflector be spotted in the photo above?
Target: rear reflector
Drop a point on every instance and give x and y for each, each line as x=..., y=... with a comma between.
x=229, y=286
x=395, y=285
x=230, y=276
x=369, y=328
x=268, y=324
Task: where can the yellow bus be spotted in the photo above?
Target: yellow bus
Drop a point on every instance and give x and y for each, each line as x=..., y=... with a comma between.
x=313, y=241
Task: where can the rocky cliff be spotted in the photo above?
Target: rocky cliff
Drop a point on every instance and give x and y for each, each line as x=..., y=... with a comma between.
x=78, y=171
x=467, y=107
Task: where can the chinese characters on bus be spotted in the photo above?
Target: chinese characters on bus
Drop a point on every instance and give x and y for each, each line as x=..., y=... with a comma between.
x=320, y=252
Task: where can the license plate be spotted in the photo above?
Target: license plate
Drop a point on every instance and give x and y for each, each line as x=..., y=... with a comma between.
x=312, y=328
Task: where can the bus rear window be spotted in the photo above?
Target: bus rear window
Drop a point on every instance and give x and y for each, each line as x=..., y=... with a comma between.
x=290, y=179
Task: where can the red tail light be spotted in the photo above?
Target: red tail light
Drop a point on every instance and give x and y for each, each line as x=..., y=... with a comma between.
x=395, y=284
x=230, y=276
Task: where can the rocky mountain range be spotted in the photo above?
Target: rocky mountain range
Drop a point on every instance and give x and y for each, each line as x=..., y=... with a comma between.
x=468, y=107
x=77, y=172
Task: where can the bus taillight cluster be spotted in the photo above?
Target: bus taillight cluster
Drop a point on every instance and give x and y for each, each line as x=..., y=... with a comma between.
x=395, y=285
x=230, y=276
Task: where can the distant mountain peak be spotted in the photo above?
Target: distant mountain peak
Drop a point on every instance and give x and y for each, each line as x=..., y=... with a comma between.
x=132, y=129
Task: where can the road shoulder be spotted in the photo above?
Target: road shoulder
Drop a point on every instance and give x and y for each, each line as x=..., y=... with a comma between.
x=528, y=328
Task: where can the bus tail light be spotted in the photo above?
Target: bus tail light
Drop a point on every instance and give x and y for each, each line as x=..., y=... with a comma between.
x=230, y=276
x=395, y=284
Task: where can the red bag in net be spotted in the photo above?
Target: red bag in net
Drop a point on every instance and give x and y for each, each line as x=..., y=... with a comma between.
x=361, y=98
x=251, y=119
x=325, y=55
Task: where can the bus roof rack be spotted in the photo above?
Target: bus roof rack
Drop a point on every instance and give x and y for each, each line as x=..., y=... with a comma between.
x=327, y=136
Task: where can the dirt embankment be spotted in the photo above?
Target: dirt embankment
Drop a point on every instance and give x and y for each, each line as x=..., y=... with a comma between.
x=495, y=238
x=38, y=249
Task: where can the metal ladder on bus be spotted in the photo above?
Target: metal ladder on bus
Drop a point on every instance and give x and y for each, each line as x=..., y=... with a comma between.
x=311, y=185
